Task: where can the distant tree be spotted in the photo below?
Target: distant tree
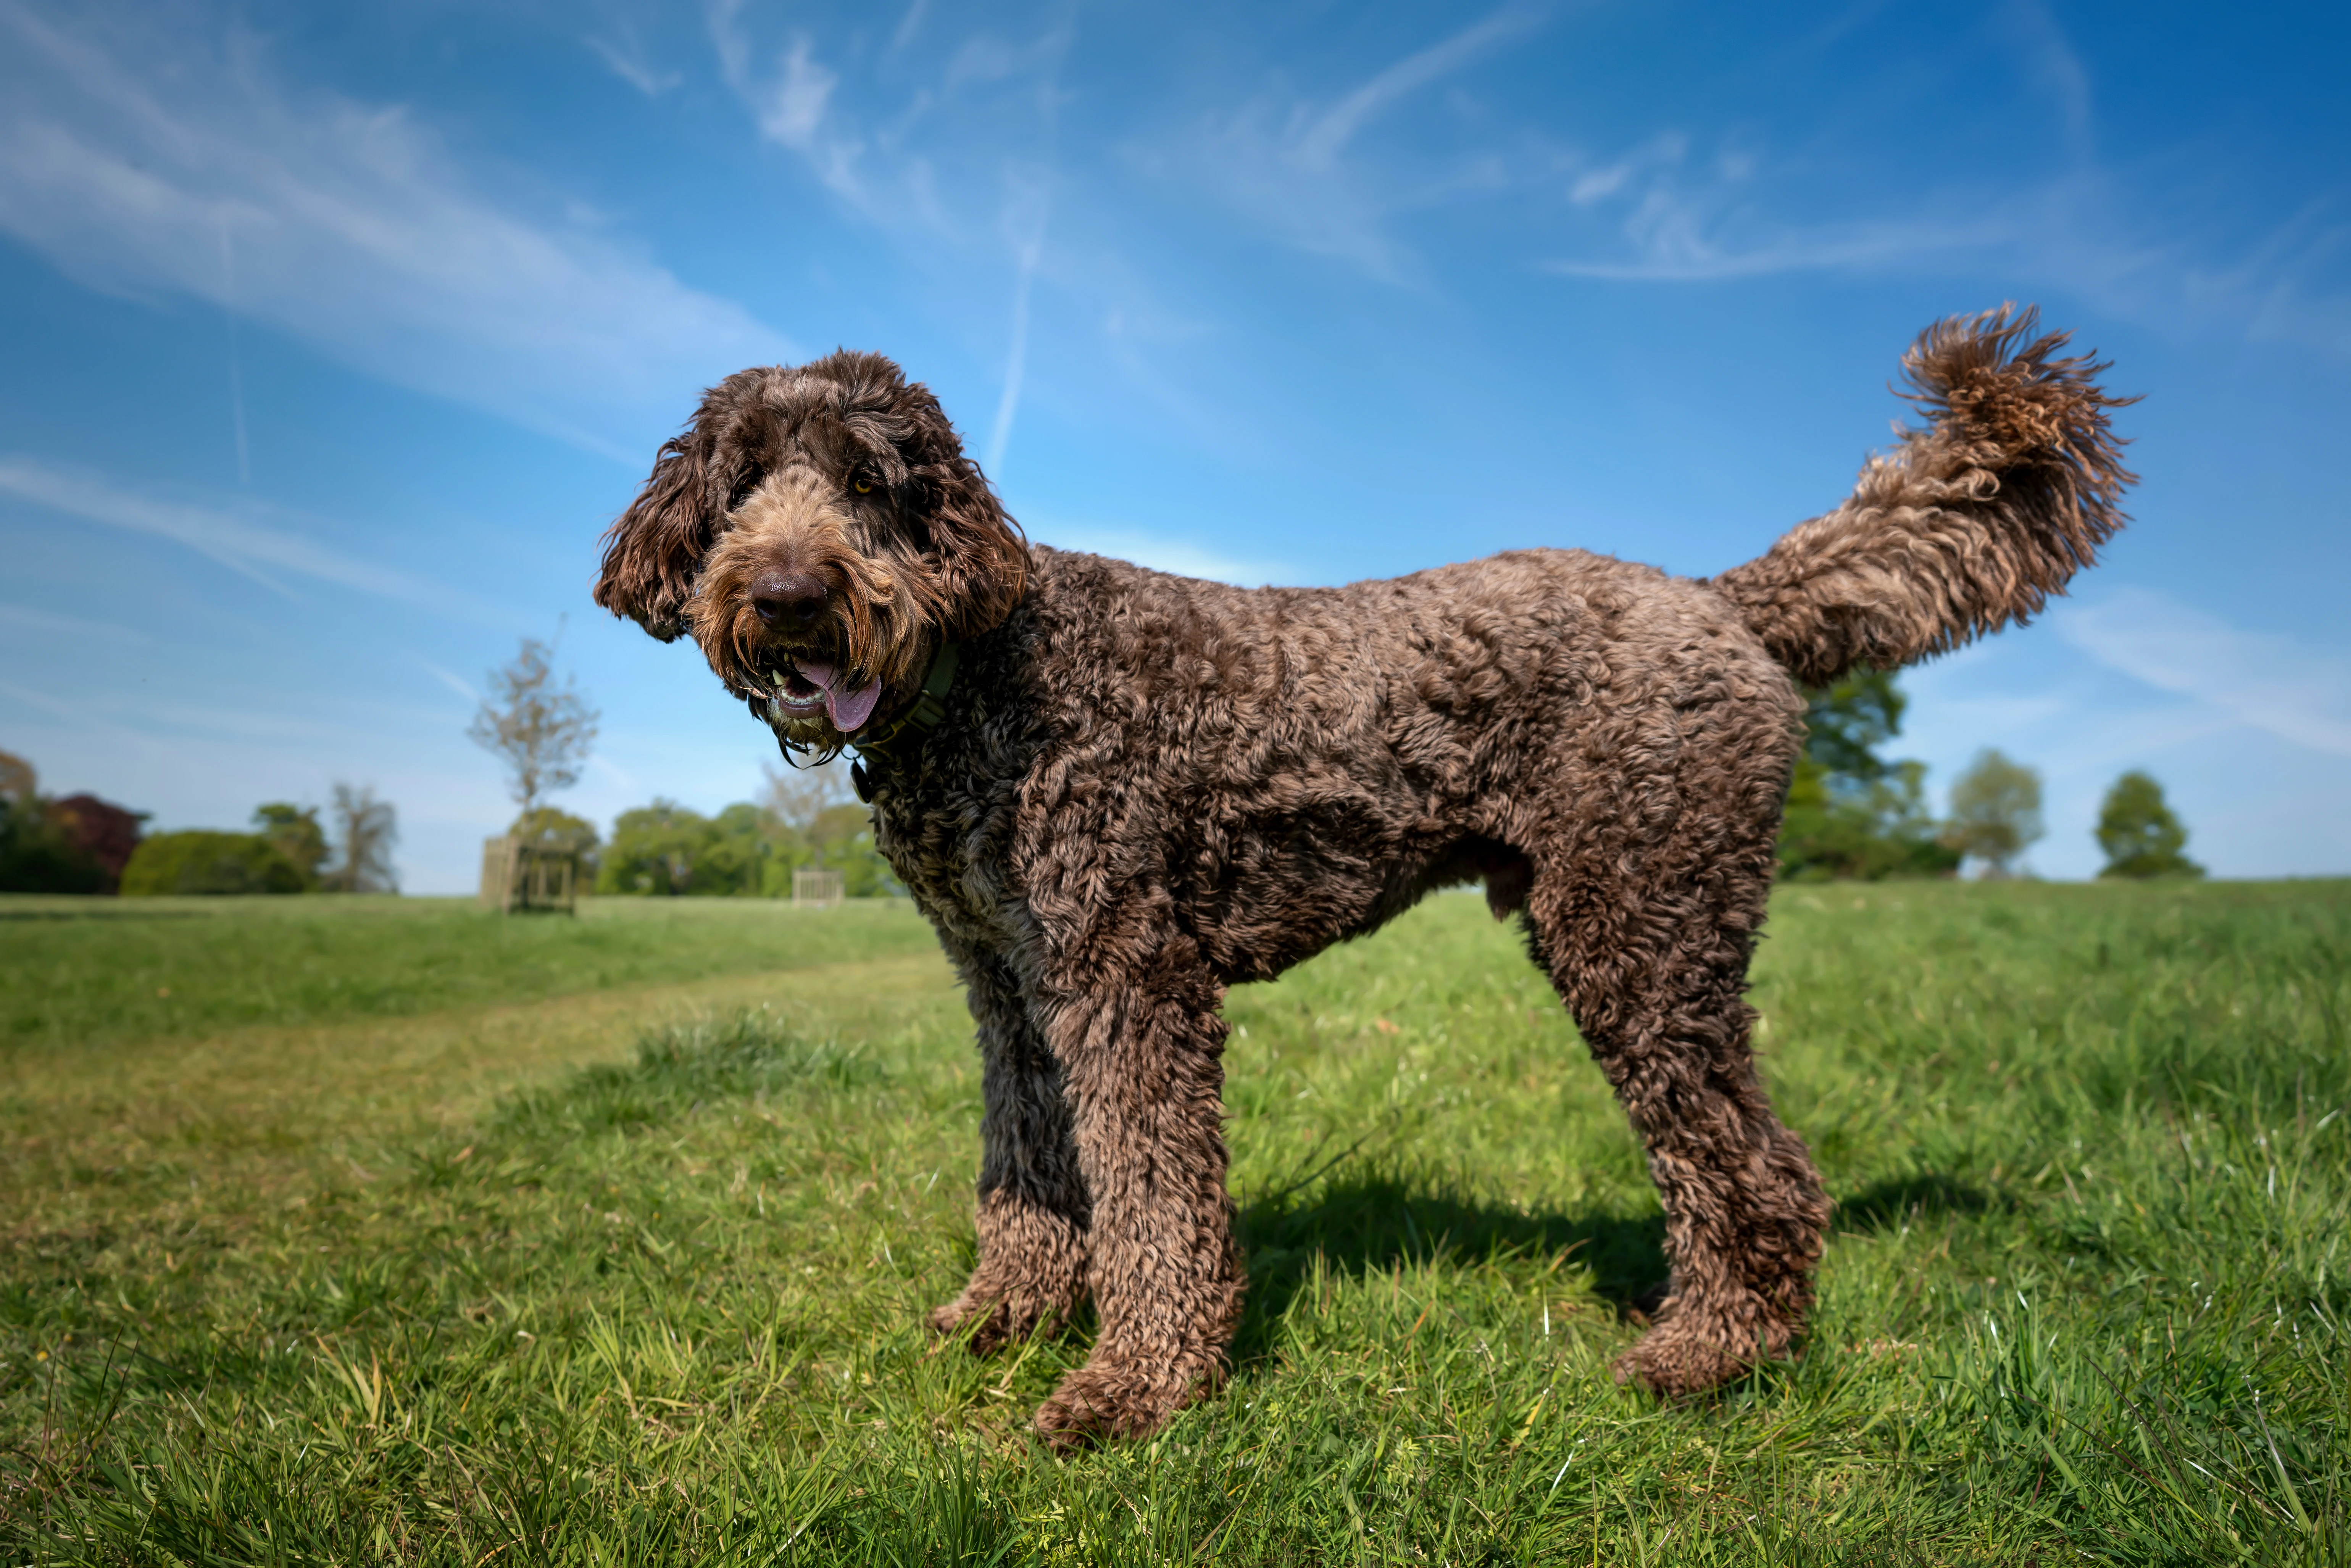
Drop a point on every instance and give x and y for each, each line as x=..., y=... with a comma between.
x=556, y=828
x=39, y=851
x=747, y=850
x=1850, y=813
x=797, y=797
x=295, y=833
x=200, y=863
x=744, y=840
x=2139, y=833
x=656, y=850
x=107, y=833
x=541, y=731
x=843, y=837
x=825, y=825
x=364, y=832
x=1995, y=812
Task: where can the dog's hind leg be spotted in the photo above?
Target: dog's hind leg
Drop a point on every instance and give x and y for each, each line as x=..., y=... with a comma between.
x=1032, y=1200
x=1652, y=967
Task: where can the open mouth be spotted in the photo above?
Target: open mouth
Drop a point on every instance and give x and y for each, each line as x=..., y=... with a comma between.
x=803, y=688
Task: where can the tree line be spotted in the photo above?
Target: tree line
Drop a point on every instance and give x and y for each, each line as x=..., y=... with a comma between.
x=541, y=730
x=1851, y=814
x=747, y=850
x=80, y=843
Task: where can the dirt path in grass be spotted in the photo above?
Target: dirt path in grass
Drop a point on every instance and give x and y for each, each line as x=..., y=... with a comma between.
x=123, y=1127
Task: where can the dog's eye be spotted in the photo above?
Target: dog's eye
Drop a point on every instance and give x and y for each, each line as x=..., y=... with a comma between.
x=862, y=484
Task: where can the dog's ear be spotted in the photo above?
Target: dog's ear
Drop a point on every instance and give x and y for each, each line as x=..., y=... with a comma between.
x=653, y=550
x=983, y=556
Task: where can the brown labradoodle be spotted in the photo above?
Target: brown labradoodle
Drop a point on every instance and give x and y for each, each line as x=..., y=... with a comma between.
x=1116, y=792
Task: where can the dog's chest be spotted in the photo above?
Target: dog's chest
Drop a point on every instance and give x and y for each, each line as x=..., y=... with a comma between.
x=947, y=831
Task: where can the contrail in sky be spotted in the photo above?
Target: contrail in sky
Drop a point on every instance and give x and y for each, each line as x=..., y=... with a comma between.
x=236, y=367
x=1017, y=366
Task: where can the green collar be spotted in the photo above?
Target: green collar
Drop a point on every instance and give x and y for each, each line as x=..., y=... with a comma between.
x=930, y=709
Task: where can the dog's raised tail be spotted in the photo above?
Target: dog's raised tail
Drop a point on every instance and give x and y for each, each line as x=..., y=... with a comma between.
x=1969, y=523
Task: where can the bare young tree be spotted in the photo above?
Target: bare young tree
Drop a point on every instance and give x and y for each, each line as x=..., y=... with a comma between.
x=541, y=731
x=797, y=797
x=365, y=829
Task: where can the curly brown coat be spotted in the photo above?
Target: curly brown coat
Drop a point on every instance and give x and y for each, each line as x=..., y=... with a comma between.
x=1146, y=788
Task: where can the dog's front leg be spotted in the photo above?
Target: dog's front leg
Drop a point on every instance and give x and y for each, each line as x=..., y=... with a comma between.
x=1032, y=1201
x=1142, y=1055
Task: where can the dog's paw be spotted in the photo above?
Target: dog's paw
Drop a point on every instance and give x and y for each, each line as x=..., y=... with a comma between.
x=1111, y=1399
x=984, y=1326
x=1679, y=1358
x=987, y=1323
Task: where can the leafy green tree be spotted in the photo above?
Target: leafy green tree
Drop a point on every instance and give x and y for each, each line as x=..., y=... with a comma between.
x=294, y=832
x=746, y=850
x=743, y=840
x=1995, y=812
x=666, y=850
x=842, y=840
x=1850, y=813
x=2139, y=833
x=102, y=832
x=549, y=828
x=823, y=825
x=39, y=854
x=655, y=850
x=208, y=863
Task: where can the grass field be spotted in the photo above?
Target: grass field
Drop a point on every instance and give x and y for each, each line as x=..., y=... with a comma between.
x=386, y=1231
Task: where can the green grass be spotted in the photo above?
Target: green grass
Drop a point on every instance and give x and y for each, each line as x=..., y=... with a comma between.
x=80, y=970
x=659, y=1301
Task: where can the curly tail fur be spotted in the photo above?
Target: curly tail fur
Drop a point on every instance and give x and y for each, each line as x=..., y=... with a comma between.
x=1969, y=524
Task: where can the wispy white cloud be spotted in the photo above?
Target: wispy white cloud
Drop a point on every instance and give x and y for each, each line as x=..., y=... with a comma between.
x=48, y=624
x=132, y=159
x=1322, y=138
x=1665, y=215
x=910, y=24
x=448, y=678
x=1660, y=214
x=956, y=158
x=2053, y=67
x=789, y=97
x=2253, y=678
x=955, y=138
x=625, y=55
x=257, y=550
x=1184, y=557
x=1282, y=161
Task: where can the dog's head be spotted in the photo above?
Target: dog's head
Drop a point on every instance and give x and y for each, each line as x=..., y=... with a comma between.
x=819, y=532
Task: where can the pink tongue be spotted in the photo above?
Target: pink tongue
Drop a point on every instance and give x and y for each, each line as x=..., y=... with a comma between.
x=849, y=709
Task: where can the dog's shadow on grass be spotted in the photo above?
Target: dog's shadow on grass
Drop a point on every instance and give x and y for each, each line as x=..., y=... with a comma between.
x=1372, y=1223
x=1889, y=1204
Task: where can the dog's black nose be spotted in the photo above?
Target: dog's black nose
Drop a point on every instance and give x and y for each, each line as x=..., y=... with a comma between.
x=788, y=597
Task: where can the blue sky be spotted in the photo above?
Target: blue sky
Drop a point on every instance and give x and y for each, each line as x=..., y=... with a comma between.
x=336, y=335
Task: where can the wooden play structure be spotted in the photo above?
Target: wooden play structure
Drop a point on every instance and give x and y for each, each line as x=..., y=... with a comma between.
x=818, y=889
x=519, y=878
